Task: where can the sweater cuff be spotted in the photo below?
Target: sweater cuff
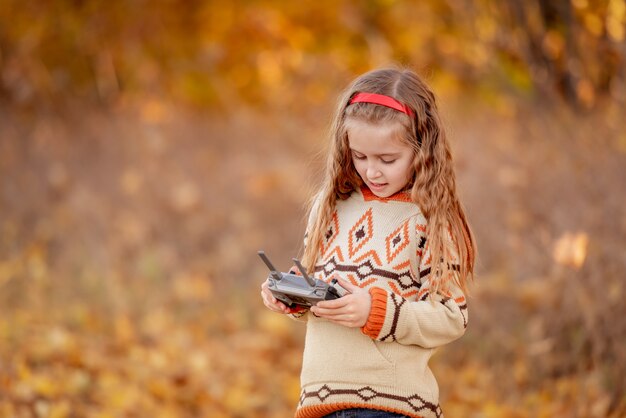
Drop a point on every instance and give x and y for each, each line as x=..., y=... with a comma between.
x=376, y=319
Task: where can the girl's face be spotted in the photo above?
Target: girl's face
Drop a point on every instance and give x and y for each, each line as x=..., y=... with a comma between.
x=383, y=161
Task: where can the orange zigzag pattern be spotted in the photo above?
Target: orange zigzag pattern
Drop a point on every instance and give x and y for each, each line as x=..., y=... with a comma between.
x=397, y=291
x=371, y=253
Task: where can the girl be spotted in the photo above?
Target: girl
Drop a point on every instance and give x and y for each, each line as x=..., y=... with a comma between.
x=388, y=225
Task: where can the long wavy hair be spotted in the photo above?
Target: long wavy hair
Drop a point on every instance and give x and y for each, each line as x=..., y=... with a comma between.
x=433, y=187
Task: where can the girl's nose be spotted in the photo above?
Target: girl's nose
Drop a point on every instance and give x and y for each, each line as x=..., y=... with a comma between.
x=373, y=172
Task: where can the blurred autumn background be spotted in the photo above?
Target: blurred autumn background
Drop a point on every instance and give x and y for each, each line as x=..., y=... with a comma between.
x=148, y=149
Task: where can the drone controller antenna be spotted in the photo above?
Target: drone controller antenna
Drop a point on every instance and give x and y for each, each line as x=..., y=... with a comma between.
x=308, y=279
x=275, y=273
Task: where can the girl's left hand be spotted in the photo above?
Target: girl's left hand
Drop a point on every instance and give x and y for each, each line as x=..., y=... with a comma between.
x=350, y=310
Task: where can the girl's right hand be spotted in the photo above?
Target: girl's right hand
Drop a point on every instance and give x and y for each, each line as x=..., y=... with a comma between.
x=271, y=302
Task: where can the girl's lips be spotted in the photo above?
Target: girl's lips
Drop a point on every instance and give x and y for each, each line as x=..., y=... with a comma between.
x=377, y=185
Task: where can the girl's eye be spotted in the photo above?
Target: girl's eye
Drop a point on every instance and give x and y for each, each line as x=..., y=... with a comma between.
x=388, y=161
x=358, y=157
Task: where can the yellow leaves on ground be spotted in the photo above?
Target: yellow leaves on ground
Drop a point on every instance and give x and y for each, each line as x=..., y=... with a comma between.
x=469, y=393
x=175, y=361
x=163, y=364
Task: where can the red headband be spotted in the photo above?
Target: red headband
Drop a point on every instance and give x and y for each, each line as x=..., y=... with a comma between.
x=382, y=100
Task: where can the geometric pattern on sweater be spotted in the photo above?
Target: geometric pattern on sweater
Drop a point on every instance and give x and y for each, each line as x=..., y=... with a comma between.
x=365, y=267
x=414, y=402
x=360, y=233
x=397, y=241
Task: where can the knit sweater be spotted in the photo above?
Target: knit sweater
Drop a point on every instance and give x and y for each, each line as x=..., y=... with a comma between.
x=379, y=244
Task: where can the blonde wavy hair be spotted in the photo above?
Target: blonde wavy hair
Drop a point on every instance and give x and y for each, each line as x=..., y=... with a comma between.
x=433, y=187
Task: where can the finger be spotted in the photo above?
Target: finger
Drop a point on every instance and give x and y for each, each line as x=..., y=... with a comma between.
x=347, y=285
x=273, y=304
x=335, y=303
x=279, y=307
x=266, y=302
x=270, y=295
x=278, y=304
x=331, y=313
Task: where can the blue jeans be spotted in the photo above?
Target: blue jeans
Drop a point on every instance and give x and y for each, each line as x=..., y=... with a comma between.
x=362, y=413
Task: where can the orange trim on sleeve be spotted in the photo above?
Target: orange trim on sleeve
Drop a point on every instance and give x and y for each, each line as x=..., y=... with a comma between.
x=376, y=319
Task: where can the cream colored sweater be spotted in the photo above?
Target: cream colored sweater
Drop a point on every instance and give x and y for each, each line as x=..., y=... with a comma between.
x=381, y=245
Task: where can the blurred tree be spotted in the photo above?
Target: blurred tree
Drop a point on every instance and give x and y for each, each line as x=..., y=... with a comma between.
x=575, y=47
x=206, y=53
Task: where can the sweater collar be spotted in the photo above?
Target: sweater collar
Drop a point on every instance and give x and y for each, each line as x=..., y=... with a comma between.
x=401, y=196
